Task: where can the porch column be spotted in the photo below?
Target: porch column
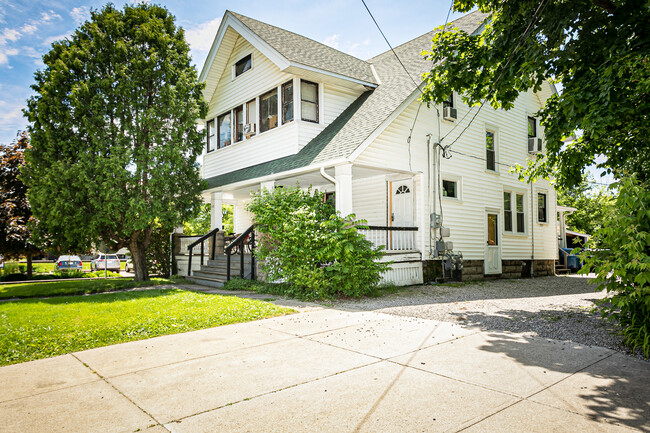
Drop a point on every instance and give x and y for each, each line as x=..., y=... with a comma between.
x=269, y=185
x=343, y=175
x=216, y=210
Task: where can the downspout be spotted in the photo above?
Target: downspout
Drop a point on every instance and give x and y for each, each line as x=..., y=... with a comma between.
x=330, y=178
x=532, y=231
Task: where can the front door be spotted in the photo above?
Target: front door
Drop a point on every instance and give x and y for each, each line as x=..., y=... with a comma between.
x=492, y=247
x=401, y=214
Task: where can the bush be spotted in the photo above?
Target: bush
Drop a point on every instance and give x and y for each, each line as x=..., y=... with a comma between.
x=622, y=265
x=317, y=252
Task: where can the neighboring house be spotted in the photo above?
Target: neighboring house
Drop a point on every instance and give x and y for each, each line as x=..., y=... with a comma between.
x=286, y=110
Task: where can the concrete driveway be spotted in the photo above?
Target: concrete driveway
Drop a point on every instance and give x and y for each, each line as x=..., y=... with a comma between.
x=326, y=370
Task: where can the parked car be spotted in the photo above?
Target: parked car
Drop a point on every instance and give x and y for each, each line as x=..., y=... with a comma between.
x=105, y=261
x=69, y=263
x=128, y=267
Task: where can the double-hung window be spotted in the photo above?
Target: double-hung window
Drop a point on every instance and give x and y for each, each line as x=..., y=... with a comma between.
x=513, y=207
x=269, y=110
x=532, y=127
x=541, y=208
x=309, y=101
x=287, y=102
x=490, y=151
x=223, y=125
x=210, y=135
x=239, y=123
x=449, y=102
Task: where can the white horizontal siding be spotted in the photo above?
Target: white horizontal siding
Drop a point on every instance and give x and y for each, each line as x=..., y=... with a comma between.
x=369, y=200
x=481, y=189
x=336, y=100
x=241, y=218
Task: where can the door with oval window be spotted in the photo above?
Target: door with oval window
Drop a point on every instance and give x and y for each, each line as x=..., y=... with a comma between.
x=401, y=214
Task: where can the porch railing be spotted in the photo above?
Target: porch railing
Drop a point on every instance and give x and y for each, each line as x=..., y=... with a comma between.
x=242, y=243
x=392, y=238
x=211, y=237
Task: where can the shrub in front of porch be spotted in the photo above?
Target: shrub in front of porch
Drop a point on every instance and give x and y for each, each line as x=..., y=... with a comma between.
x=306, y=244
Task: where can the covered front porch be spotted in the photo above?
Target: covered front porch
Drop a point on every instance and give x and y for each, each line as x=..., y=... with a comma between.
x=390, y=202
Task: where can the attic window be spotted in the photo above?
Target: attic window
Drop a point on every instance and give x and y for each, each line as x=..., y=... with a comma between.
x=243, y=65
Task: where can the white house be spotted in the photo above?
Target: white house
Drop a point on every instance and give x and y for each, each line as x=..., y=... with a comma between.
x=284, y=109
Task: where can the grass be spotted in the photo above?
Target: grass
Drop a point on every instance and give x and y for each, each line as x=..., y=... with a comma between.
x=78, y=287
x=41, y=328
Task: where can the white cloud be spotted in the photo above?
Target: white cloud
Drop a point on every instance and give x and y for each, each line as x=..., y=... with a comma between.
x=28, y=29
x=46, y=17
x=51, y=39
x=11, y=35
x=5, y=53
x=80, y=14
x=201, y=36
x=332, y=41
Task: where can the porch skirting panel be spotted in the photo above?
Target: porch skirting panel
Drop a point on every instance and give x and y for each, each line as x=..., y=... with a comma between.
x=403, y=274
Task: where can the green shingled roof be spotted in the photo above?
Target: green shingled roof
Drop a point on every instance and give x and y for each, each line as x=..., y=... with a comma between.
x=343, y=136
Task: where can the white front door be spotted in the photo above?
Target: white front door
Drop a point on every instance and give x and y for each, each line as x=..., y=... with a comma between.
x=401, y=214
x=492, y=260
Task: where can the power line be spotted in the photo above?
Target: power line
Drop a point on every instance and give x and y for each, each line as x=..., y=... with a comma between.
x=512, y=53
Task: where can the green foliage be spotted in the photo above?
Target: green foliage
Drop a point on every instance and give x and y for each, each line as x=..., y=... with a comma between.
x=34, y=329
x=593, y=206
x=622, y=265
x=304, y=243
x=199, y=224
x=113, y=132
x=598, y=50
x=158, y=255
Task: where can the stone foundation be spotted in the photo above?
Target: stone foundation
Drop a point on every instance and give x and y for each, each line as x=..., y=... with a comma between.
x=473, y=269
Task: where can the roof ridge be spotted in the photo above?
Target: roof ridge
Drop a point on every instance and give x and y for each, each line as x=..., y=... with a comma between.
x=432, y=31
x=238, y=15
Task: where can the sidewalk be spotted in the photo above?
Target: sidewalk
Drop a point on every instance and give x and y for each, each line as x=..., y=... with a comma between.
x=326, y=370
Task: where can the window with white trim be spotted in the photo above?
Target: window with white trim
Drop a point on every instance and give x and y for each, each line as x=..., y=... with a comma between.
x=287, y=102
x=541, y=208
x=309, y=101
x=450, y=188
x=243, y=65
x=209, y=127
x=490, y=150
x=269, y=110
x=223, y=131
x=513, y=208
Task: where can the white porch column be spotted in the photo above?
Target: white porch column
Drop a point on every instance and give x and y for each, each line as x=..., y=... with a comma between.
x=269, y=185
x=216, y=210
x=343, y=175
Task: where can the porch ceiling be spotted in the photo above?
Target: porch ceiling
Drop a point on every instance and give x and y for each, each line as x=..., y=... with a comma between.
x=313, y=178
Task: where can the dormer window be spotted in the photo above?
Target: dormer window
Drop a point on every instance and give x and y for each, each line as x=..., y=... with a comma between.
x=309, y=101
x=243, y=65
x=287, y=102
x=210, y=135
x=223, y=123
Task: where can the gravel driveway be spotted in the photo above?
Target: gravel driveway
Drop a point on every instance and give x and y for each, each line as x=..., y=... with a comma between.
x=553, y=307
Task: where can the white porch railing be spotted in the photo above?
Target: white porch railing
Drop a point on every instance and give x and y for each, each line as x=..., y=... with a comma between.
x=392, y=238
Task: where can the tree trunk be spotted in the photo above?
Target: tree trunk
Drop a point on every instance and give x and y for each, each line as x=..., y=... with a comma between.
x=139, y=262
x=29, y=264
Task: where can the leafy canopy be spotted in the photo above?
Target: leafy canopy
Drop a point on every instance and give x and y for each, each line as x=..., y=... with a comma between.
x=316, y=251
x=593, y=206
x=15, y=211
x=599, y=50
x=623, y=267
x=114, y=139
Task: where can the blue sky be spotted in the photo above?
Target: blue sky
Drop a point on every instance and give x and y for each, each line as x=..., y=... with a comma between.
x=28, y=28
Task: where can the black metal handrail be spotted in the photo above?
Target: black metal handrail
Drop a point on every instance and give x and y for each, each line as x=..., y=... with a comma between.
x=201, y=240
x=239, y=243
x=389, y=228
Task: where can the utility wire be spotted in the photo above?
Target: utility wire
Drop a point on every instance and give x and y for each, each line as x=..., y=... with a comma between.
x=512, y=53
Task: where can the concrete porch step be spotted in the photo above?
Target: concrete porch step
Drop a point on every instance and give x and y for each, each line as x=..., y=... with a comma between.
x=205, y=281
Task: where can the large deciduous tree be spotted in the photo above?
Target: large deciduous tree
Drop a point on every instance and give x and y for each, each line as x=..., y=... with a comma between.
x=598, y=49
x=15, y=211
x=113, y=128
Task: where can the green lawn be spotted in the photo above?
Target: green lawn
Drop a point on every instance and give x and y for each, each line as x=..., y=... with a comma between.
x=78, y=287
x=45, y=268
x=40, y=328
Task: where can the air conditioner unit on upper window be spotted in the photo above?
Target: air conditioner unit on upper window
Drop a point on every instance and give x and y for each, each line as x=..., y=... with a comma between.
x=249, y=129
x=449, y=113
x=534, y=145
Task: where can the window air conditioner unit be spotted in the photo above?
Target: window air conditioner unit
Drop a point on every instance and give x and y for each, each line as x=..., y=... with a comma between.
x=449, y=113
x=249, y=129
x=534, y=145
